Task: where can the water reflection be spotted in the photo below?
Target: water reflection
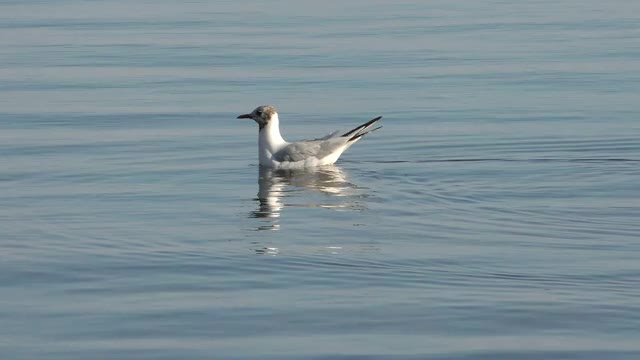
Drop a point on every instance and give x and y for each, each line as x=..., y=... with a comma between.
x=300, y=188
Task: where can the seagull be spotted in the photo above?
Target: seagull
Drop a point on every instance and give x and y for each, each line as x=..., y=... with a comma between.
x=275, y=152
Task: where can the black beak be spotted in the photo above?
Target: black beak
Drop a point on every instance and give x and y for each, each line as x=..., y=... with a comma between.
x=245, y=116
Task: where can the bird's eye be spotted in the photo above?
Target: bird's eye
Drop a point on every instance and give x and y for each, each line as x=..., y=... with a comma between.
x=259, y=112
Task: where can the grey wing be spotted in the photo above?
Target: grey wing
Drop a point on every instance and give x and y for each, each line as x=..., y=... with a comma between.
x=329, y=136
x=303, y=150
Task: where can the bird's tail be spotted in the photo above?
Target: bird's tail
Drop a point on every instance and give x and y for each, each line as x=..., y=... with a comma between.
x=359, y=131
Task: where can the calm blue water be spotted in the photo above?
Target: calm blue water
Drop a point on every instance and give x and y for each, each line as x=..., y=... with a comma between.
x=495, y=216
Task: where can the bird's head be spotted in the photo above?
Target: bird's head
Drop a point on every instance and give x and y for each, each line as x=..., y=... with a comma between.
x=262, y=115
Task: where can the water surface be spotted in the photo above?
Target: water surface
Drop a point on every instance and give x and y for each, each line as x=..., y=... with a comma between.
x=495, y=216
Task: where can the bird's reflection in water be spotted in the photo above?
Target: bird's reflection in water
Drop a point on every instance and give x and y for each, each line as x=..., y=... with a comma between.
x=280, y=188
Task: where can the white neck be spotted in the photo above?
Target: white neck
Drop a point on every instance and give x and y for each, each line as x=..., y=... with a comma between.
x=269, y=140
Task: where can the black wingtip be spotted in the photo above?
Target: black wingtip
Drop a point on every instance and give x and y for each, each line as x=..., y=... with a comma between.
x=361, y=127
x=358, y=136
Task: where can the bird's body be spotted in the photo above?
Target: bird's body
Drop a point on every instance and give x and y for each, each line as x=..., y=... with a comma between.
x=275, y=152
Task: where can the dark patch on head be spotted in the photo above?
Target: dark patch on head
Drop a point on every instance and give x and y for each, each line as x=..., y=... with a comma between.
x=265, y=111
x=261, y=115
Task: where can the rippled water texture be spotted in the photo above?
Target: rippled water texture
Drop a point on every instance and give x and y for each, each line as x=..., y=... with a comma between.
x=495, y=216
